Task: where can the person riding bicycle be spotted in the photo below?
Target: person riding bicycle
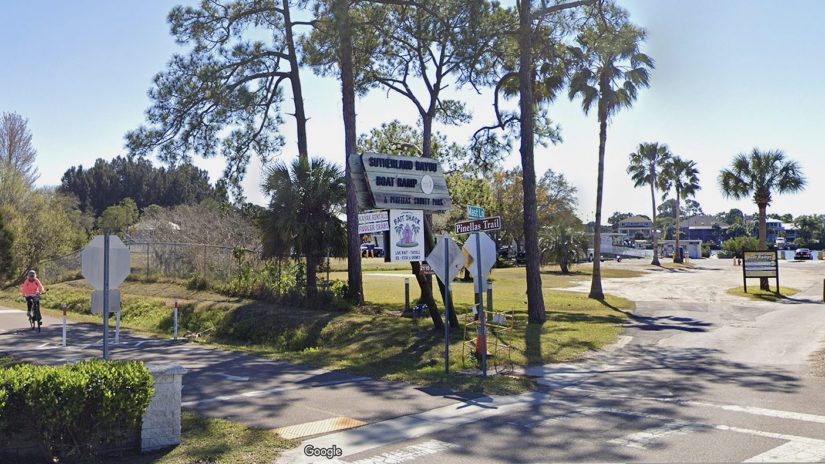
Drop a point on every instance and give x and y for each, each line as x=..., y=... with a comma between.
x=30, y=290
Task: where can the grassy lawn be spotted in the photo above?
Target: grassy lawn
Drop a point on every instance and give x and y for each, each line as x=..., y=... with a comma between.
x=755, y=293
x=205, y=440
x=374, y=340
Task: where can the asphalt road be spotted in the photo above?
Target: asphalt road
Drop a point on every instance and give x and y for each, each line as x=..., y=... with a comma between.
x=698, y=376
x=258, y=392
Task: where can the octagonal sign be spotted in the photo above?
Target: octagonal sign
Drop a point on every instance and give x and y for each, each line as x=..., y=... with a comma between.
x=92, y=262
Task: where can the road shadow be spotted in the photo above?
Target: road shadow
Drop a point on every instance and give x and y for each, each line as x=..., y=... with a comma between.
x=660, y=323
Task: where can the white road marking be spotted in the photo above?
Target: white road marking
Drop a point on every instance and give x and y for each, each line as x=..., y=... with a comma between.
x=799, y=416
x=11, y=311
x=793, y=451
x=233, y=378
x=408, y=453
x=44, y=346
x=259, y=393
x=643, y=439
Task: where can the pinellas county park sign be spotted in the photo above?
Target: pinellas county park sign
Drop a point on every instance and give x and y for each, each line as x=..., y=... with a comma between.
x=399, y=182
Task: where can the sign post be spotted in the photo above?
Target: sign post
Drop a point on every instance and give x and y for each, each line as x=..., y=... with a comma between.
x=760, y=264
x=483, y=250
x=453, y=262
x=105, y=263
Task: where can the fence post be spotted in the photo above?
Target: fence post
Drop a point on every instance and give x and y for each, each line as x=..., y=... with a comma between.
x=176, y=319
x=489, y=296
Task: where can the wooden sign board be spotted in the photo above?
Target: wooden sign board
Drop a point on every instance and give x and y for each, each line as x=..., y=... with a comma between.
x=760, y=264
x=405, y=182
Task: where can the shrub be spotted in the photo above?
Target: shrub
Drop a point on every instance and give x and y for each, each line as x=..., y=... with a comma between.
x=75, y=411
x=706, y=250
x=735, y=246
x=198, y=282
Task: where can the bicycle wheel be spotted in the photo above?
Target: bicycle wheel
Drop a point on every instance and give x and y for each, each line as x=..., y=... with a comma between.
x=37, y=316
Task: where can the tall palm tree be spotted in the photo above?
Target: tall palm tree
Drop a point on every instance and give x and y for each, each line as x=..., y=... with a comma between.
x=761, y=174
x=306, y=200
x=645, y=166
x=608, y=70
x=683, y=176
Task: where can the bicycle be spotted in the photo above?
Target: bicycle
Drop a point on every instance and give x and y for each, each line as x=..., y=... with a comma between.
x=34, y=314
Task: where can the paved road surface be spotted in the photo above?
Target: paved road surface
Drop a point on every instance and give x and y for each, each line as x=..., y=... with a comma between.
x=699, y=376
x=258, y=392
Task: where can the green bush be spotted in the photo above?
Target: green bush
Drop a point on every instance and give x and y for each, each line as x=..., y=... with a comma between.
x=706, y=250
x=74, y=411
x=198, y=282
x=735, y=246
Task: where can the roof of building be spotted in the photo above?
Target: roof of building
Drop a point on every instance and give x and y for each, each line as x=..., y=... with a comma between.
x=703, y=222
x=636, y=218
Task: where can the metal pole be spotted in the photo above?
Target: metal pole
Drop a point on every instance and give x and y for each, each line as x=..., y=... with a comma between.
x=64, y=325
x=176, y=320
x=106, y=295
x=406, y=294
x=489, y=295
x=117, y=327
x=446, y=305
x=481, y=316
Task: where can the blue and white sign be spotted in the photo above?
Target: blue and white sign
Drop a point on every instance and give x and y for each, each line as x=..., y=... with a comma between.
x=406, y=235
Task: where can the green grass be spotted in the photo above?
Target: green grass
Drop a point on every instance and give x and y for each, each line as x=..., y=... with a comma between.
x=205, y=440
x=372, y=340
x=755, y=293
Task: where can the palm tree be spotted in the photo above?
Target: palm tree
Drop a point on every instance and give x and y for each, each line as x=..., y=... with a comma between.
x=683, y=176
x=761, y=174
x=608, y=70
x=645, y=165
x=562, y=244
x=306, y=200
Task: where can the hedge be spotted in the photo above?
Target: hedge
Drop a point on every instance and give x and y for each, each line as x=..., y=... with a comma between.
x=73, y=412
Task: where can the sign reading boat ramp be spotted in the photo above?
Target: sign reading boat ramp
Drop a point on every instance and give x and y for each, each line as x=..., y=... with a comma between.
x=404, y=182
x=760, y=264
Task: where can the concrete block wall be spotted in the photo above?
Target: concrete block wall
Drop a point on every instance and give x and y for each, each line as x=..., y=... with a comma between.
x=161, y=421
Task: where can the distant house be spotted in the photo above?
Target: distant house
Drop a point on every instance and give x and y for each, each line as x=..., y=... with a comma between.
x=776, y=228
x=636, y=228
x=708, y=229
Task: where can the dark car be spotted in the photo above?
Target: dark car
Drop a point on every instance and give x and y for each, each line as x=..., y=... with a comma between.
x=803, y=253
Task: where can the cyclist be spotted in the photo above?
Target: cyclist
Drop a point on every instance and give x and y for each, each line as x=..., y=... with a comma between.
x=31, y=290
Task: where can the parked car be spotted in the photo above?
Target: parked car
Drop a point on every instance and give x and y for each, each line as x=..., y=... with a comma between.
x=802, y=253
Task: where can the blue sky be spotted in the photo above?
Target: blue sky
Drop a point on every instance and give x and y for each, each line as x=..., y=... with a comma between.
x=730, y=75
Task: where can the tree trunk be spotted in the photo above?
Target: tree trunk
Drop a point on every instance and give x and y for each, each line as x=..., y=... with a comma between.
x=677, y=256
x=425, y=284
x=312, y=275
x=536, y=312
x=596, y=282
x=655, y=261
x=763, y=240
x=295, y=82
x=355, y=283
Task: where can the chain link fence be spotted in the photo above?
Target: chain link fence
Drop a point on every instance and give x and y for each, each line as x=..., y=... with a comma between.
x=161, y=260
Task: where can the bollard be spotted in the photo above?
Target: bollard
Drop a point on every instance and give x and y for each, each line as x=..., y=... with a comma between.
x=176, y=320
x=64, y=325
x=489, y=296
x=406, y=294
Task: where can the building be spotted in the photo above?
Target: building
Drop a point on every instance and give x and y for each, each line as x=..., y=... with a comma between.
x=636, y=228
x=708, y=229
x=775, y=229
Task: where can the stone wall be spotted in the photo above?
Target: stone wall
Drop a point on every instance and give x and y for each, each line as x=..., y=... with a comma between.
x=161, y=421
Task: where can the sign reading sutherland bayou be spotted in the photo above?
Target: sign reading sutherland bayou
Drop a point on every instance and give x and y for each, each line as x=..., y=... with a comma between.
x=406, y=235
x=758, y=264
x=396, y=182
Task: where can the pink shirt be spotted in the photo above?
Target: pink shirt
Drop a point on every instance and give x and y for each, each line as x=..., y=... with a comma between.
x=32, y=287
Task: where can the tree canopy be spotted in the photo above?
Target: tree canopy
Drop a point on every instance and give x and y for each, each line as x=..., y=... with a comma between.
x=108, y=183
